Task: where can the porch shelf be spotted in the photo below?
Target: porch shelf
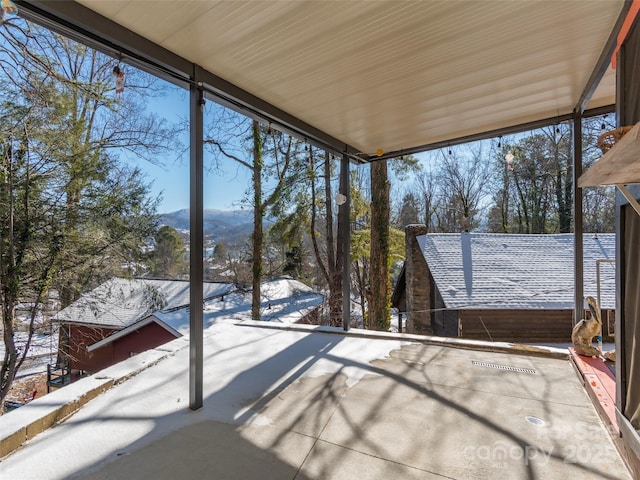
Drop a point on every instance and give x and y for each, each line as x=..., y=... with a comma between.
x=619, y=166
x=600, y=383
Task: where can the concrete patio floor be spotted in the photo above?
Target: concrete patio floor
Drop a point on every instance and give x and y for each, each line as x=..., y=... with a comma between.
x=296, y=405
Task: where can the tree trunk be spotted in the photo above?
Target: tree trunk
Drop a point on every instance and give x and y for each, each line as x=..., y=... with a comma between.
x=257, y=222
x=334, y=262
x=379, y=270
x=8, y=277
x=565, y=199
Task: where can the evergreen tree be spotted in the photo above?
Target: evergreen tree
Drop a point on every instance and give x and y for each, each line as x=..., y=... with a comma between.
x=534, y=191
x=72, y=213
x=168, y=258
x=409, y=212
x=220, y=252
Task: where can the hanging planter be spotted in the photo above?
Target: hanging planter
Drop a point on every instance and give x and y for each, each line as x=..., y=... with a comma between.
x=608, y=139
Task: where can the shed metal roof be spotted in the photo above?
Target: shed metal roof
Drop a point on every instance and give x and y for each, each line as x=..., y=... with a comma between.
x=495, y=271
x=386, y=75
x=284, y=300
x=119, y=302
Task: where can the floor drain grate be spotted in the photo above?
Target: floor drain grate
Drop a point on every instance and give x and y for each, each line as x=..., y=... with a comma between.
x=504, y=367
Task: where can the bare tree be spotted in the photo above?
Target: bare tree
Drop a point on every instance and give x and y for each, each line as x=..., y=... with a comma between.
x=228, y=137
x=328, y=259
x=427, y=188
x=465, y=179
x=534, y=191
x=74, y=212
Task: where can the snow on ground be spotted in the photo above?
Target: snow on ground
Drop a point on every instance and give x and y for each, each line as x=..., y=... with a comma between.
x=43, y=350
x=32, y=374
x=284, y=300
x=42, y=345
x=243, y=365
x=25, y=389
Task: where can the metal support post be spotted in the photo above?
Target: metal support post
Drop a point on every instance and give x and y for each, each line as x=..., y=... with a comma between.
x=196, y=271
x=578, y=242
x=343, y=217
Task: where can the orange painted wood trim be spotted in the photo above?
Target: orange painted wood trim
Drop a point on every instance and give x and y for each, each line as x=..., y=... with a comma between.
x=624, y=30
x=600, y=385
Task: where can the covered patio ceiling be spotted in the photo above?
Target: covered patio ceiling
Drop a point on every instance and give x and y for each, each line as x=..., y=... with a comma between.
x=373, y=76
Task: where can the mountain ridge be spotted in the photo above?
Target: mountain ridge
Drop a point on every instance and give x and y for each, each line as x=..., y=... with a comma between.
x=226, y=226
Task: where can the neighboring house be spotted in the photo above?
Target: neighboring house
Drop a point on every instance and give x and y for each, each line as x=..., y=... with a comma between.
x=124, y=317
x=501, y=287
x=115, y=305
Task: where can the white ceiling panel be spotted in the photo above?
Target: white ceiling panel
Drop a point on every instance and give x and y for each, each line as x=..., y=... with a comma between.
x=391, y=75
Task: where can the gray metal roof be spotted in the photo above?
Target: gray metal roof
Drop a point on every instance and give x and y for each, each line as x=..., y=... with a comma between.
x=496, y=271
x=119, y=302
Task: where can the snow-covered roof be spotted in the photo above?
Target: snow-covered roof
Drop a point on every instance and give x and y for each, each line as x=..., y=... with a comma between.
x=119, y=302
x=284, y=300
x=503, y=271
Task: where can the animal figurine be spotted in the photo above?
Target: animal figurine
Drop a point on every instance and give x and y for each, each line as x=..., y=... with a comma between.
x=584, y=331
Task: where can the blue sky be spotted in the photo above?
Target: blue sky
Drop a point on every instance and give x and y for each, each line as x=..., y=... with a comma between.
x=223, y=189
x=171, y=181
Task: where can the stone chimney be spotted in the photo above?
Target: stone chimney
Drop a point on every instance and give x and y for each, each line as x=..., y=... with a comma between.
x=417, y=283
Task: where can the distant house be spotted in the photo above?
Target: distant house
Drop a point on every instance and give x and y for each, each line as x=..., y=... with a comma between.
x=123, y=317
x=115, y=305
x=516, y=288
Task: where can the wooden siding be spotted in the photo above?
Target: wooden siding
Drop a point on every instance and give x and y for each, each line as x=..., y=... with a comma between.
x=444, y=322
x=147, y=337
x=517, y=325
x=311, y=318
x=520, y=325
x=81, y=336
